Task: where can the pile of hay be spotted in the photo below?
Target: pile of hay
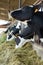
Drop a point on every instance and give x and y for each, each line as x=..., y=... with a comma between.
x=2, y=38
x=21, y=56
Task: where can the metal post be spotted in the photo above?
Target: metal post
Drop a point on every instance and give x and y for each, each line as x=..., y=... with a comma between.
x=8, y=5
x=19, y=3
x=42, y=6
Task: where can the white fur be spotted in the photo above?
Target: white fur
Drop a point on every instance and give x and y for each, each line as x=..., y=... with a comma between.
x=41, y=39
x=13, y=37
x=22, y=42
x=19, y=24
x=41, y=9
x=30, y=5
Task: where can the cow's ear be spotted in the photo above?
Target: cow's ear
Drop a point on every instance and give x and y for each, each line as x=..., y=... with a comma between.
x=36, y=7
x=36, y=10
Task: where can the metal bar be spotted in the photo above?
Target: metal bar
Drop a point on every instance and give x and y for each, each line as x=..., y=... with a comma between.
x=19, y=3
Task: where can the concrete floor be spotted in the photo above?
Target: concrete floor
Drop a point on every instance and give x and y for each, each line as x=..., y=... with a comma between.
x=39, y=50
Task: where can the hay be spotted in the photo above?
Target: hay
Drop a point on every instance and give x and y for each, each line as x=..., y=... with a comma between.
x=2, y=38
x=21, y=56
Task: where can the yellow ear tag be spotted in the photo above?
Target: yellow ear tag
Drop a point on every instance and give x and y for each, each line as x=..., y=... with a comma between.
x=16, y=35
x=36, y=10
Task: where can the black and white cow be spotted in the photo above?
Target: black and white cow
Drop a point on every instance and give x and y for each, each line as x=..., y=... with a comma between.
x=34, y=26
x=27, y=13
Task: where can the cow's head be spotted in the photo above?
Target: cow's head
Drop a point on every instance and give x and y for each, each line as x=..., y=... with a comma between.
x=12, y=32
x=24, y=13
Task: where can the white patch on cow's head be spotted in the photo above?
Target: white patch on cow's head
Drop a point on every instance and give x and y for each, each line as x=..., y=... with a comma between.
x=18, y=24
x=25, y=23
x=30, y=6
